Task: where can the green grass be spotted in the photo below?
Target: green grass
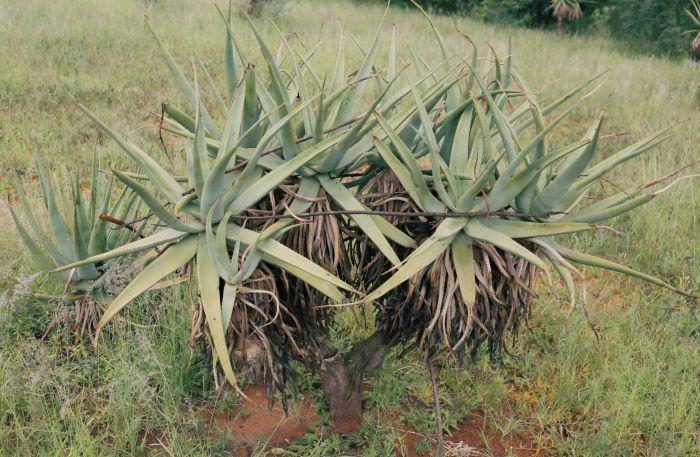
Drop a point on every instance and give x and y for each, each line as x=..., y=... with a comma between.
x=634, y=392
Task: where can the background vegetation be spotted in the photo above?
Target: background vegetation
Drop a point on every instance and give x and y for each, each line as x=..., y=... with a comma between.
x=634, y=392
x=651, y=26
x=640, y=26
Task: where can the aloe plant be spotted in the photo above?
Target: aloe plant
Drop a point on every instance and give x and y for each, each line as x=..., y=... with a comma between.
x=424, y=194
x=75, y=231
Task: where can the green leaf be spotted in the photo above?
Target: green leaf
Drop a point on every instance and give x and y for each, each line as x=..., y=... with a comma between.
x=95, y=187
x=81, y=233
x=335, y=156
x=251, y=111
x=400, y=170
x=228, y=302
x=523, y=229
x=183, y=84
x=61, y=236
x=602, y=205
x=169, y=261
x=611, y=212
x=208, y=281
x=426, y=200
x=197, y=156
x=570, y=171
x=243, y=185
x=298, y=265
x=597, y=262
x=160, y=178
x=507, y=186
x=34, y=249
x=466, y=200
x=346, y=200
x=180, y=117
x=219, y=181
x=479, y=231
x=348, y=104
x=428, y=251
x=233, y=67
x=36, y=228
x=98, y=238
x=501, y=122
x=251, y=195
x=460, y=153
x=212, y=86
x=158, y=209
x=218, y=250
x=158, y=238
x=279, y=92
x=463, y=259
x=630, y=152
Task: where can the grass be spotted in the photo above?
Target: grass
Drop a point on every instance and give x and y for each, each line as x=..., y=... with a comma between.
x=634, y=392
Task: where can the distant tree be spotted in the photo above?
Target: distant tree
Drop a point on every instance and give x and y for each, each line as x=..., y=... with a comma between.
x=695, y=17
x=565, y=9
x=650, y=26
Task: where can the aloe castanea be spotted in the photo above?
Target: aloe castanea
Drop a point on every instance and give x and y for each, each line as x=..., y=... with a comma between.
x=435, y=198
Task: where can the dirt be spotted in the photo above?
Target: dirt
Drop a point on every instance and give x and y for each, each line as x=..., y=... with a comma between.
x=252, y=422
x=155, y=441
x=473, y=437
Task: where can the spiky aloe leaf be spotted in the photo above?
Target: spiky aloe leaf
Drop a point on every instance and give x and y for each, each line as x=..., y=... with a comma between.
x=420, y=258
x=346, y=200
x=33, y=247
x=157, y=208
x=208, y=282
x=36, y=228
x=280, y=255
x=597, y=262
x=463, y=258
x=172, y=259
x=481, y=232
x=155, y=240
x=165, y=183
x=183, y=84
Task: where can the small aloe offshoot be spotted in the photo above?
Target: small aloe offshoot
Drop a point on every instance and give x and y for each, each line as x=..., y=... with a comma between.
x=75, y=231
x=430, y=192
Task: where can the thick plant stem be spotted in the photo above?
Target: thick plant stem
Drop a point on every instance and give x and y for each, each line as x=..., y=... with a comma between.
x=342, y=376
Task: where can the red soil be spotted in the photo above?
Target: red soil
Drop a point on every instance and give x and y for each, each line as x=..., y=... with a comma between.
x=252, y=422
x=473, y=437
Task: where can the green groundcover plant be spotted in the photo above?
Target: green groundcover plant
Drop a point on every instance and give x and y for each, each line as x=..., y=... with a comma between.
x=429, y=197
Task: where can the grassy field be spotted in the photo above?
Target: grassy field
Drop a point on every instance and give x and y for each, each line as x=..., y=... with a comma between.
x=633, y=392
